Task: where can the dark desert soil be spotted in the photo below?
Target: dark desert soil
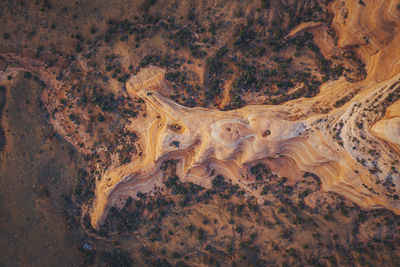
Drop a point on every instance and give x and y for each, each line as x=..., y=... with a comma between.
x=36, y=168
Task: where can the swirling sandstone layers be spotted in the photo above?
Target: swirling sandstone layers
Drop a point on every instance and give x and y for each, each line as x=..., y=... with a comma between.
x=340, y=147
x=388, y=128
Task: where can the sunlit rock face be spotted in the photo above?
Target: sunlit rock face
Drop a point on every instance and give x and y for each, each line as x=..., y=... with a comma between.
x=354, y=148
x=209, y=142
x=388, y=130
x=389, y=127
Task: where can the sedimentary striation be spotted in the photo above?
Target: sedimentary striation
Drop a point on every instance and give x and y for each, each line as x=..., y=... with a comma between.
x=348, y=135
x=353, y=148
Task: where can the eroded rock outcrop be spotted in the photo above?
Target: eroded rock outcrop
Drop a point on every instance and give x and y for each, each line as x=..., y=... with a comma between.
x=388, y=128
x=351, y=148
x=211, y=142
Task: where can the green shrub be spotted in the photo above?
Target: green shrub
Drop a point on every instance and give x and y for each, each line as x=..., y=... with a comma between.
x=265, y=4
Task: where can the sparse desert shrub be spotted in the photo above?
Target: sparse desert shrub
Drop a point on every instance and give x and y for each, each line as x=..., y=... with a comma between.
x=147, y=4
x=100, y=118
x=265, y=4
x=6, y=36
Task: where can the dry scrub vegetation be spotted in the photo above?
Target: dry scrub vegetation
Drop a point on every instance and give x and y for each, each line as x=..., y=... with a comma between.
x=220, y=55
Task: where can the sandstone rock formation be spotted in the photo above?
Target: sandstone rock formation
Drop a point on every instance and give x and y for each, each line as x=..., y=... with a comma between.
x=351, y=148
x=388, y=128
